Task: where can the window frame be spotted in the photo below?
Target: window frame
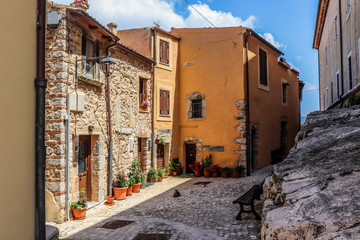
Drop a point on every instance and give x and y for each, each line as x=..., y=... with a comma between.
x=164, y=100
x=94, y=68
x=196, y=113
x=338, y=83
x=143, y=90
x=336, y=27
x=261, y=85
x=164, y=52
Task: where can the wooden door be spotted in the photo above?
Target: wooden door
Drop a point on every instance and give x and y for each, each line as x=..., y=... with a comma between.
x=84, y=167
x=160, y=156
x=190, y=156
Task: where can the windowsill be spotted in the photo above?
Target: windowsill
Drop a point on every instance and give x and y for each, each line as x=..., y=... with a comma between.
x=90, y=80
x=263, y=87
x=164, y=66
x=166, y=116
x=196, y=119
x=143, y=111
x=284, y=104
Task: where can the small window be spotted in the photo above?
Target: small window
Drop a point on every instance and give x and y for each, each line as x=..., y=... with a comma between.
x=139, y=146
x=89, y=49
x=284, y=92
x=164, y=102
x=350, y=72
x=196, y=108
x=263, y=67
x=142, y=91
x=164, y=52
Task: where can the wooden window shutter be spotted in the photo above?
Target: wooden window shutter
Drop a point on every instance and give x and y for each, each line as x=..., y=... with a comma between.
x=144, y=89
x=263, y=67
x=167, y=109
x=161, y=102
x=167, y=52
x=97, y=51
x=161, y=50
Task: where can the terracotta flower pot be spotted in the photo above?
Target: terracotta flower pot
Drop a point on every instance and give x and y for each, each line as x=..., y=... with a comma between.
x=236, y=174
x=225, y=175
x=79, y=214
x=197, y=173
x=129, y=191
x=174, y=173
x=153, y=180
x=143, y=108
x=120, y=193
x=160, y=179
x=109, y=200
x=215, y=174
x=167, y=175
x=136, y=188
x=207, y=174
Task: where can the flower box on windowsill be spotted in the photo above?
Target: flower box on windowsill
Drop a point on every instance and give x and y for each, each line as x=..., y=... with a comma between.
x=144, y=109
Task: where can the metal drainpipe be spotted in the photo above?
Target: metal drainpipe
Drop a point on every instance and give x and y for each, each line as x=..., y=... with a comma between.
x=108, y=105
x=248, y=165
x=153, y=105
x=40, y=155
x=67, y=133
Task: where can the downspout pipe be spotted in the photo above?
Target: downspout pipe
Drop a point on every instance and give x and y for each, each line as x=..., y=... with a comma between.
x=247, y=127
x=341, y=50
x=40, y=154
x=153, y=103
x=108, y=106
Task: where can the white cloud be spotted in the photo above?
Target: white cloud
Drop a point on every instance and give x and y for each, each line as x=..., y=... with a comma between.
x=270, y=38
x=218, y=18
x=143, y=13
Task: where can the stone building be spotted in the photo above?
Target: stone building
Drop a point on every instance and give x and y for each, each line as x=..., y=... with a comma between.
x=78, y=153
x=338, y=44
x=236, y=98
x=162, y=46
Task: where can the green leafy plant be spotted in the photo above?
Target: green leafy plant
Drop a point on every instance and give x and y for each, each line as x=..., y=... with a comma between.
x=160, y=172
x=120, y=180
x=136, y=170
x=152, y=175
x=176, y=167
x=207, y=162
x=81, y=203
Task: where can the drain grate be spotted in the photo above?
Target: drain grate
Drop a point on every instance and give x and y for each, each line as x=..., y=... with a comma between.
x=202, y=183
x=152, y=236
x=116, y=224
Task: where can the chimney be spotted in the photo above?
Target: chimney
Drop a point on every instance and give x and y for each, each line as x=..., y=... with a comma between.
x=112, y=27
x=81, y=4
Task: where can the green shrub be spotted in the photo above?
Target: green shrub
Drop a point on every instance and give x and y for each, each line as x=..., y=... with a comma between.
x=152, y=175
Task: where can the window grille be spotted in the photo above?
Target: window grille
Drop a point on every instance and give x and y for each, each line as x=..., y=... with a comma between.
x=195, y=110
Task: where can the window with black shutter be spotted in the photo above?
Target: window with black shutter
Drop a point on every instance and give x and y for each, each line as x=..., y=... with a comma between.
x=164, y=52
x=196, y=108
x=164, y=102
x=89, y=49
x=263, y=67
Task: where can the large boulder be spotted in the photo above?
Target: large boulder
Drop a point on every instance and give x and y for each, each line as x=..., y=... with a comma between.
x=314, y=193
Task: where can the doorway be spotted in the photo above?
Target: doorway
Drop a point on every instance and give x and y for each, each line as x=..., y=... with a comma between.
x=190, y=156
x=84, y=165
x=160, y=159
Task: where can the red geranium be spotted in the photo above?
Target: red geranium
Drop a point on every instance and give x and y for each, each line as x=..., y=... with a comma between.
x=215, y=168
x=196, y=166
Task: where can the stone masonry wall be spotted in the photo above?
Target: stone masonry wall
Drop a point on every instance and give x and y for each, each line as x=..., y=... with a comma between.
x=128, y=123
x=241, y=128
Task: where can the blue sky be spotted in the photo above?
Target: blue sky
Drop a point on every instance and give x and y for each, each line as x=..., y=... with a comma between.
x=287, y=24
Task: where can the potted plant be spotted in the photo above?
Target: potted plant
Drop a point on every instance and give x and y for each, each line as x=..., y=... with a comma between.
x=152, y=175
x=197, y=168
x=176, y=168
x=215, y=170
x=144, y=106
x=110, y=200
x=129, y=183
x=136, y=175
x=160, y=174
x=165, y=170
x=159, y=140
x=225, y=172
x=79, y=207
x=207, y=164
x=119, y=186
x=239, y=170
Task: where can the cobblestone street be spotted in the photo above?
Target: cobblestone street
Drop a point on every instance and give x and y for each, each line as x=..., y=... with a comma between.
x=201, y=212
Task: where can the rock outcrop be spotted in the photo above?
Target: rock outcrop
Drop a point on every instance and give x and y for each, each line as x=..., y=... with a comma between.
x=314, y=193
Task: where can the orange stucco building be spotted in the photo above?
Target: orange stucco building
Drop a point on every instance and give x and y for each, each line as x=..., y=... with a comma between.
x=221, y=72
x=162, y=46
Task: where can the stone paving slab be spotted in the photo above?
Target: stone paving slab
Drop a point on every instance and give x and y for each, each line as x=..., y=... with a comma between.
x=199, y=213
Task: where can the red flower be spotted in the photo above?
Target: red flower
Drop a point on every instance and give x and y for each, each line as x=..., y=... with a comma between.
x=136, y=174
